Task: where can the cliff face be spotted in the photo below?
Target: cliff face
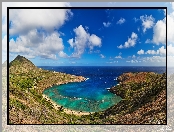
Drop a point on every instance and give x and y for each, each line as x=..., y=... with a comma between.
x=144, y=98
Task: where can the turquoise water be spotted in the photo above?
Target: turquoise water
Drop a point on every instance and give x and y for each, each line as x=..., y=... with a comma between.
x=91, y=95
x=65, y=96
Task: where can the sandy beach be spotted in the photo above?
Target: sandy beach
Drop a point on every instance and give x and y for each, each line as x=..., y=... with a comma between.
x=66, y=110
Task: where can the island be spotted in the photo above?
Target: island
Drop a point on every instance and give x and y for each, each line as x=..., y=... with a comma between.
x=143, y=98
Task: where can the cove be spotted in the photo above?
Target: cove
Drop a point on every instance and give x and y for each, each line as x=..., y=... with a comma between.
x=82, y=96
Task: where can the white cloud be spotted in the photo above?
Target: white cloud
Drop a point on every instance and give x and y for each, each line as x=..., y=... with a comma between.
x=170, y=31
x=120, y=47
x=132, y=61
x=70, y=41
x=25, y=20
x=164, y=12
x=121, y=21
x=135, y=19
x=102, y=56
x=36, y=44
x=140, y=52
x=62, y=54
x=160, y=51
x=147, y=22
x=159, y=30
x=51, y=44
x=148, y=41
x=131, y=41
x=154, y=59
x=118, y=57
x=152, y=52
x=106, y=24
x=170, y=61
x=133, y=56
x=170, y=50
x=172, y=3
x=94, y=41
x=83, y=40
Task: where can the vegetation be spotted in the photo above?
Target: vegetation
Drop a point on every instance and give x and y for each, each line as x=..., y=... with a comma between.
x=140, y=91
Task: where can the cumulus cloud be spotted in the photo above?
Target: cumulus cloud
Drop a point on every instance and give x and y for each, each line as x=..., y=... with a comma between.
x=94, y=41
x=140, y=52
x=172, y=3
x=160, y=51
x=25, y=23
x=148, y=41
x=133, y=61
x=147, y=22
x=130, y=42
x=106, y=24
x=170, y=31
x=118, y=57
x=26, y=19
x=164, y=12
x=62, y=54
x=155, y=59
x=44, y=47
x=82, y=40
x=170, y=60
x=170, y=50
x=159, y=36
x=121, y=21
x=152, y=52
x=133, y=56
x=159, y=32
x=102, y=56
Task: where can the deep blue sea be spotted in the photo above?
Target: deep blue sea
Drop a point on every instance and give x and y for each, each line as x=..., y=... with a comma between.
x=91, y=95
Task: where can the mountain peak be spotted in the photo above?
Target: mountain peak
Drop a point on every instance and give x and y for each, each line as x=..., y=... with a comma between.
x=22, y=64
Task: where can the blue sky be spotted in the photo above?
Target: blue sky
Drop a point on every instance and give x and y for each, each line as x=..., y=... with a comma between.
x=89, y=37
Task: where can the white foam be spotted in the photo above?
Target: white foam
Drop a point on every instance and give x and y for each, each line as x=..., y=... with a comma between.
x=86, y=79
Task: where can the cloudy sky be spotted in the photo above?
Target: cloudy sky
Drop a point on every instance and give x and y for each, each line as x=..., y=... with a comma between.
x=113, y=37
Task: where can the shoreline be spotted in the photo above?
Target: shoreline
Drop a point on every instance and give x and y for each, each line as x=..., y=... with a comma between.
x=66, y=110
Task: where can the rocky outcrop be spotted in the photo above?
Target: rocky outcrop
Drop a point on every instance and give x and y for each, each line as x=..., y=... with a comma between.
x=144, y=99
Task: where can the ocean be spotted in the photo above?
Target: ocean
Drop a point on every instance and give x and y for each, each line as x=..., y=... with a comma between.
x=91, y=95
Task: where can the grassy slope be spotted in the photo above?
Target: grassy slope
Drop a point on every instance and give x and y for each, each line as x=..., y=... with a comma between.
x=27, y=106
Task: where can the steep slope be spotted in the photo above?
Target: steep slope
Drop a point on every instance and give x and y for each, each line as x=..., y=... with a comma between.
x=26, y=84
x=143, y=94
x=21, y=65
x=144, y=99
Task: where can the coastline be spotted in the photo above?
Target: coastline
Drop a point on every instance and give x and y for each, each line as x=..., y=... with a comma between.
x=66, y=110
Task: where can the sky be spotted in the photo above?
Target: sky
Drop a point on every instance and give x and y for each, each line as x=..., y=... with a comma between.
x=91, y=37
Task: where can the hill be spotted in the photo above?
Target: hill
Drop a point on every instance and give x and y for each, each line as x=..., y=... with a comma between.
x=143, y=94
x=21, y=65
x=144, y=98
x=26, y=85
